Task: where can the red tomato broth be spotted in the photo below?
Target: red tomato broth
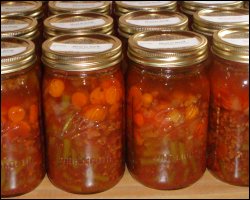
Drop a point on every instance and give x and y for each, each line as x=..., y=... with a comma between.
x=80, y=144
x=166, y=150
x=22, y=167
x=84, y=120
x=167, y=114
x=228, y=141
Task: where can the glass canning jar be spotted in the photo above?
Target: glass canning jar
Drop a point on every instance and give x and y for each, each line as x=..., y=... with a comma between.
x=190, y=7
x=24, y=8
x=23, y=27
x=228, y=138
x=77, y=24
x=207, y=21
x=138, y=21
x=167, y=108
x=83, y=96
x=22, y=163
x=79, y=7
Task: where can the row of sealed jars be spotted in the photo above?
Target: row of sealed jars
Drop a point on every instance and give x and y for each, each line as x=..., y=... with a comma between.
x=84, y=111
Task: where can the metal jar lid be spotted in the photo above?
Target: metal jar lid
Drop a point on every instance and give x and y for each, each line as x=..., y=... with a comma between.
x=78, y=7
x=77, y=24
x=190, y=7
x=167, y=49
x=140, y=21
x=87, y=52
x=232, y=44
x=124, y=7
x=16, y=54
x=208, y=21
x=19, y=26
x=23, y=8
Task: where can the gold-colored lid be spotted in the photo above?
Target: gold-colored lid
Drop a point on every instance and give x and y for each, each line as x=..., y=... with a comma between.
x=78, y=7
x=87, y=52
x=23, y=8
x=124, y=7
x=167, y=49
x=140, y=21
x=208, y=21
x=16, y=54
x=19, y=26
x=77, y=24
x=232, y=44
x=190, y=7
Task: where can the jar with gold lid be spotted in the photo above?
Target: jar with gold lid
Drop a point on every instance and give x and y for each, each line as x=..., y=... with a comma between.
x=77, y=24
x=207, y=21
x=22, y=164
x=190, y=7
x=23, y=27
x=83, y=97
x=167, y=108
x=228, y=138
x=23, y=8
x=79, y=7
x=124, y=7
x=139, y=21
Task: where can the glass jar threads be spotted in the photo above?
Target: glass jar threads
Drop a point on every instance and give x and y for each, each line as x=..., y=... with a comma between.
x=167, y=108
x=77, y=24
x=228, y=141
x=78, y=7
x=84, y=101
x=22, y=165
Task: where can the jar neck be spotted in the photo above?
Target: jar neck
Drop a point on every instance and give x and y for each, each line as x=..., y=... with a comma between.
x=170, y=71
x=82, y=74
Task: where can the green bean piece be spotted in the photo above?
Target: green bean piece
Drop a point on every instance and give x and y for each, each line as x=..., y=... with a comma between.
x=2, y=177
x=66, y=126
x=66, y=148
x=182, y=153
x=101, y=178
x=74, y=158
x=173, y=149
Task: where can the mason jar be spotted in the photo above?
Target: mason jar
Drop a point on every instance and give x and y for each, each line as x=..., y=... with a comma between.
x=228, y=138
x=22, y=163
x=167, y=108
x=83, y=96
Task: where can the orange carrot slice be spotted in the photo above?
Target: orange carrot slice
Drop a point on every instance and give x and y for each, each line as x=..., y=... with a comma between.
x=97, y=96
x=16, y=113
x=96, y=113
x=139, y=119
x=56, y=88
x=79, y=99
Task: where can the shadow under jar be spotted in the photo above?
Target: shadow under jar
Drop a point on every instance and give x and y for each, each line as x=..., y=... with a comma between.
x=228, y=138
x=167, y=108
x=22, y=164
x=83, y=96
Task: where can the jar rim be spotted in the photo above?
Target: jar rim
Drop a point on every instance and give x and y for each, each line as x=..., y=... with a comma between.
x=232, y=44
x=167, y=49
x=139, y=21
x=16, y=54
x=86, y=52
x=78, y=24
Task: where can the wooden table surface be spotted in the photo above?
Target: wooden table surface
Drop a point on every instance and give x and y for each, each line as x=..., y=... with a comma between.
x=127, y=188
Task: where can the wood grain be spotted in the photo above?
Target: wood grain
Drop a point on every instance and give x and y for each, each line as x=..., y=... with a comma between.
x=206, y=188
